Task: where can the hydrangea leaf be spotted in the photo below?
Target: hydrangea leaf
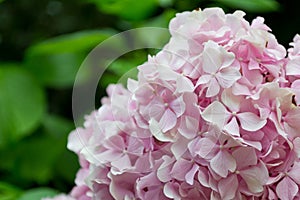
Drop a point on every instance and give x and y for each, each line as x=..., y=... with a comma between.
x=22, y=103
x=8, y=192
x=40, y=163
x=252, y=5
x=135, y=10
x=66, y=164
x=41, y=154
x=37, y=194
x=46, y=155
x=56, y=61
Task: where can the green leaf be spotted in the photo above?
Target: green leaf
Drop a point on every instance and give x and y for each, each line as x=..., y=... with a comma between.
x=58, y=127
x=66, y=166
x=38, y=161
x=252, y=5
x=57, y=70
x=43, y=151
x=166, y=3
x=38, y=194
x=73, y=42
x=107, y=79
x=22, y=103
x=35, y=159
x=128, y=9
x=159, y=21
x=8, y=192
x=56, y=61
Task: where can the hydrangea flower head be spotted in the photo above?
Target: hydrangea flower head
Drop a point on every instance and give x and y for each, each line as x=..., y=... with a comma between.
x=214, y=115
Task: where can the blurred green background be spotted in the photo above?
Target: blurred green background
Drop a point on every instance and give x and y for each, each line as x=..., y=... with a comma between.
x=42, y=44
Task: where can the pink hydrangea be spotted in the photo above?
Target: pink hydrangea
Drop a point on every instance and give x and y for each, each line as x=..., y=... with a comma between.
x=214, y=115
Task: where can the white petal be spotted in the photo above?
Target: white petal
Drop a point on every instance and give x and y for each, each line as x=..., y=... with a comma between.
x=227, y=77
x=222, y=163
x=157, y=132
x=232, y=127
x=250, y=121
x=216, y=114
x=213, y=88
x=168, y=120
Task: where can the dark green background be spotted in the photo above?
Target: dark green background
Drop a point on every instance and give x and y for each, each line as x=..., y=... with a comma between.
x=42, y=44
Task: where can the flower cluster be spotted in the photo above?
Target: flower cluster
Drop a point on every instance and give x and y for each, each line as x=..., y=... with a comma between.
x=214, y=115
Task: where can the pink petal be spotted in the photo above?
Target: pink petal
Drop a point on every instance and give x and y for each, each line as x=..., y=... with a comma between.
x=203, y=79
x=231, y=101
x=181, y=168
x=171, y=190
x=121, y=185
x=179, y=148
x=178, y=106
x=293, y=117
x=144, y=163
x=228, y=187
x=232, y=127
x=250, y=121
x=293, y=67
x=203, y=177
x=155, y=109
x=257, y=145
x=245, y=157
x=168, y=120
x=144, y=91
x=107, y=156
x=132, y=85
x=135, y=146
x=215, y=113
x=81, y=175
x=188, y=127
x=255, y=178
x=122, y=164
x=205, y=148
x=164, y=171
x=152, y=186
x=294, y=173
x=227, y=77
x=116, y=143
x=272, y=180
x=102, y=192
x=157, y=132
x=213, y=88
x=296, y=89
x=78, y=139
x=65, y=197
x=183, y=84
x=253, y=64
x=166, y=73
x=189, y=177
x=222, y=163
x=240, y=89
x=287, y=189
x=271, y=194
x=296, y=143
x=258, y=23
x=191, y=108
x=211, y=57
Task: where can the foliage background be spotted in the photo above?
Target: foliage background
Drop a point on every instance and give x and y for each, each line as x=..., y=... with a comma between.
x=42, y=44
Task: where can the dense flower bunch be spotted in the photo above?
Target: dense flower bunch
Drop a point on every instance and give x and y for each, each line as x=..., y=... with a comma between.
x=214, y=115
